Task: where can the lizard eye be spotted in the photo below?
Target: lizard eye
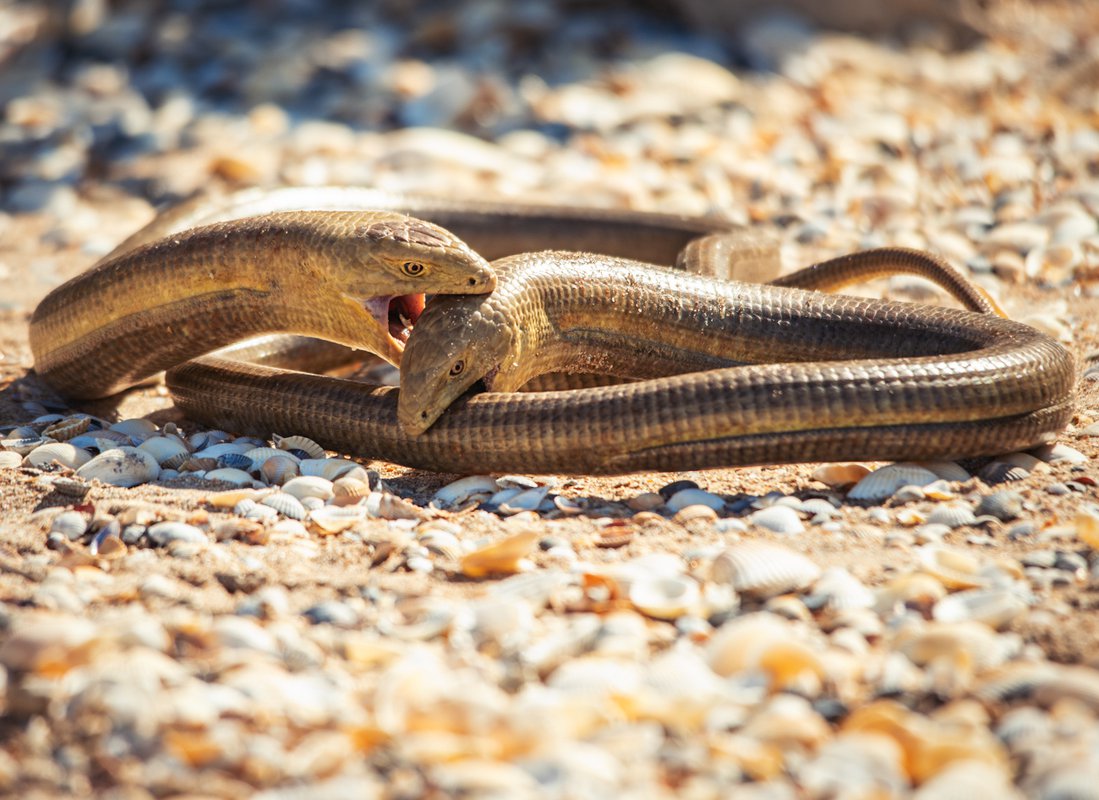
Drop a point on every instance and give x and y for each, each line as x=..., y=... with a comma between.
x=457, y=369
x=412, y=268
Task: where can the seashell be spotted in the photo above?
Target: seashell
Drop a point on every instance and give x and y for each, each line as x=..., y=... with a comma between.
x=198, y=464
x=330, y=468
x=1087, y=529
x=285, y=504
x=166, y=450
x=571, y=506
x=231, y=497
x=257, y=512
x=302, y=443
x=441, y=543
x=382, y=505
x=1003, y=505
x=955, y=569
x=1052, y=453
x=520, y=482
x=646, y=501
x=953, y=515
x=258, y=455
x=54, y=453
x=346, y=491
x=136, y=429
x=67, y=428
x=882, y=483
x=780, y=519
x=333, y=519
x=995, y=607
x=237, y=461
x=665, y=597
x=505, y=557
x=616, y=536
x=235, y=528
x=70, y=524
x=946, y=470
x=840, y=476
x=23, y=445
x=216, y=451
x=461, y=491
x=163, y=533
x=122, y=466
x=938, y=490
x=204, y=439
x=277, y=470
x=10, y=459
x=768, y=644
x=1001, y=472
x=107, y=543
x=763, y=569
x=230, y=475
x=309, y=486
x=525, y=500
x=694, y=497
x=839, y=590
x=696, y=514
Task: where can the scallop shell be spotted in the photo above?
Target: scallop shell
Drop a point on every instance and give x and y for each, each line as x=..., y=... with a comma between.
x=953, y=515
x=309, y=486
x=505, y=557
x=54, y=453
x=1003, y=505
x=955, y=569
x=168, y=451
x=67, y=428
x=302, y=443
x=995, y=607
x=333, y=519
x=694, y=497
x=277, y=470
x=10, y=459
x=665, y=596
x=461, y=491
x=285, y=504
x=382, y=505
x=238, y=461
x=122, y=466
x=441, y=543
x=230, y=475
x=763, y=569
x=882, y=483
x=780, y=519
x=348, y=491
x=137, y=429
x=1002, y=472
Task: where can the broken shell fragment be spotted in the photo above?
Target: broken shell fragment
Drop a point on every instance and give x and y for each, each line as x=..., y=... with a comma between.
x=505, y=557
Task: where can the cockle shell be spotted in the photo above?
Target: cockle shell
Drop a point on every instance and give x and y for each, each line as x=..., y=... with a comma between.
x=302, y=443
x=995, y=607
x=329, y=468
x=259, y=455
x=333, y=519
x=882, y=483
x=10, y=459
x=780, y=519
x=953, y=515
x=67, y=428
x=309, y=486
x=49, y=455
x=122, y=466
x=694, y=497
x=763, y=569
x=277, y=470
x=285, y=504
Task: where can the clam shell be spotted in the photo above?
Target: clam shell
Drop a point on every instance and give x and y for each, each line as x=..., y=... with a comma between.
x=230, y=497
x=67, y=428
x=10, y=459
x=330, y=468
x=70, y=524
x=230, y=475
x=665, y=596
x=24, y=444
x=122, y=466
x=953, y=515
x=216, y=451
x=1002, y=472
x=995, y=607
x=525, y=500
x=382, y=505
x=882, y=483
x=946, y=470
x=302, y=443
x=442, y=544
x=763, y=569
x=163, y=533
x=955, y=569
x=61, y=453
x=1003, y=505
x=505, y=557
x=168, y=451
x=309, y=486
x=137, y=429
x=839, y=590
x=260, y=455
x=694, y=497
x=333, y=519
x=839, y=476
x=780, y=519
x=277, y=470
x=695, y=515
x=285, y=504
x=461, y=491
x=347, y=491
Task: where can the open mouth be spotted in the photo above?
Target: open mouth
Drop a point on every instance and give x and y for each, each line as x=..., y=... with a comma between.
x=396, y=314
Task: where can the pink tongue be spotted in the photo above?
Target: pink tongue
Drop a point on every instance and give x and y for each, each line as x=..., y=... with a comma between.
x=378, y=308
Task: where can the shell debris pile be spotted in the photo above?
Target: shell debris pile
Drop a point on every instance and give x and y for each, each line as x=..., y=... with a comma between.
x=191, y=612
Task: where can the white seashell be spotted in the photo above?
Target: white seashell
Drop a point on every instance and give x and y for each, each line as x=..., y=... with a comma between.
x=121, y=466
x=840, y=475
x=137, y=429
x=665, y=597
x=66, y=428
x=1052, y=453
x=285, y=504
x=763, y=569
x=23, y=445
x=305, y=444
x=349, y=490
x=70, y=524
x=882, y=483
x=10, y=459
x=309, y=486
x=694, y=497
x=277, y=470
x=780, y=519
x=330, y=468
x=166, y=450
x=230, y=475
x=946, y=470
x=461, y=491
x=222, y=448
x=441, y=543
x=163, y=533
x=260, y=454
x=995, y=607
x=382, y=505
x=312, y=503
x=839, y=590
x=955, y=569
x=523, y=500
x=334, y=519
x=261, y=513
x=61, y=453
x=953, y=515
